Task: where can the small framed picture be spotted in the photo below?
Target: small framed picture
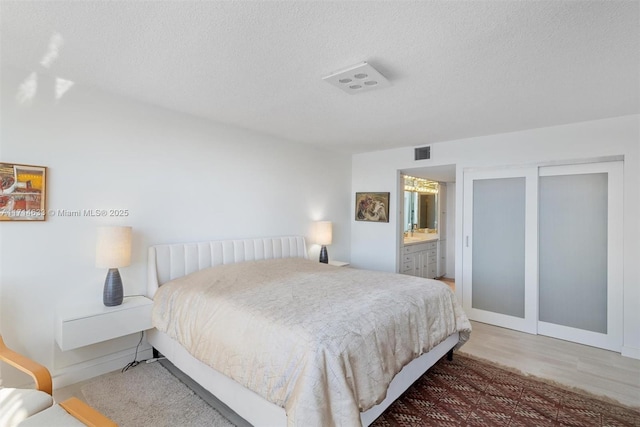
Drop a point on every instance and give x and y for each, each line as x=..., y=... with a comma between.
x=373, y=207
x=22, y=192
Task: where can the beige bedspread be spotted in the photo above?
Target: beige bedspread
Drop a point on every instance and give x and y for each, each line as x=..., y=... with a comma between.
x=322, y=342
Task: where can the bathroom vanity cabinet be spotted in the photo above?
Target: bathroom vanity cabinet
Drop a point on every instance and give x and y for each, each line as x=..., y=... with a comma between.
x=420, y=259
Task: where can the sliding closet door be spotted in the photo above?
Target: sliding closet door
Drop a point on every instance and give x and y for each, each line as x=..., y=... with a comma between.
x=580, y=253
x=500, y=247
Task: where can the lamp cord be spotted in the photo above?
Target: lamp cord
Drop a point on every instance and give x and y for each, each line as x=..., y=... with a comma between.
x=135, y=361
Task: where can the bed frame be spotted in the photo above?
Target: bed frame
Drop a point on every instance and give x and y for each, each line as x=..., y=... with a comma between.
x=168, y=262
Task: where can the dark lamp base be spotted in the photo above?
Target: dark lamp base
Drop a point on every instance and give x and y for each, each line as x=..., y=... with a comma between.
x=112, y=294
x=324, y=256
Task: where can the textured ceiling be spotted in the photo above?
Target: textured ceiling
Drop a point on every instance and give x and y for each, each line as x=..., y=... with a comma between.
x=457, y=68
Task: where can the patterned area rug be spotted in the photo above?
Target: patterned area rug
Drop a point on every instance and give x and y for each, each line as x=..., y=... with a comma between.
x=463, y=392
x=468, y=392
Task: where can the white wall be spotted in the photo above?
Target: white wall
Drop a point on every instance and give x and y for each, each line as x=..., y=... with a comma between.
x=180, y=177
x=451, y=230
x=374, y=246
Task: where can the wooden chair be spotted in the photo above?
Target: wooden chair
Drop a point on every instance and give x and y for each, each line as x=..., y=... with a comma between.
x=28, y=407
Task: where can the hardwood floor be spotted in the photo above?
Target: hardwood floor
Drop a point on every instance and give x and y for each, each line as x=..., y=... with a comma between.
x=598, y=371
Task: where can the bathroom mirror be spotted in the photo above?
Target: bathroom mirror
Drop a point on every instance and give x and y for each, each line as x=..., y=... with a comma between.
x=420, y=205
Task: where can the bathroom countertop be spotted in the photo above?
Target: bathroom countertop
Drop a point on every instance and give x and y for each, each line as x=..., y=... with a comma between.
x=420, y=238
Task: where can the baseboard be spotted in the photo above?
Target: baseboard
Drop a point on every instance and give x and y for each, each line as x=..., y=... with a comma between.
x=102, y=365
x=633, y=353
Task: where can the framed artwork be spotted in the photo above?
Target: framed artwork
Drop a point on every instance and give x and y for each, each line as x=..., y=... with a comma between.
x=373, y=207
x=22, y=192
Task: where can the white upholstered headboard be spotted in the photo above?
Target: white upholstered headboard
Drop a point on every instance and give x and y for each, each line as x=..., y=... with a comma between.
x=168, y=262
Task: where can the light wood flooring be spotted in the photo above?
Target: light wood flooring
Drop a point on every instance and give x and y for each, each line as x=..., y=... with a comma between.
x=598, y=371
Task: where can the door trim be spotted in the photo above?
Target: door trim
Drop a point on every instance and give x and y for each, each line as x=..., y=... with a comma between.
x=529, y=322
x=613, y=339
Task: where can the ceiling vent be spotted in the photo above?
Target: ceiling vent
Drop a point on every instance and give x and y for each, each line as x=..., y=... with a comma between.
x=423, y=153
x=357, y=79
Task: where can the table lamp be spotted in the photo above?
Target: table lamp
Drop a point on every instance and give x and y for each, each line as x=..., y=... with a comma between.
x=113, y=250
x=324, y=236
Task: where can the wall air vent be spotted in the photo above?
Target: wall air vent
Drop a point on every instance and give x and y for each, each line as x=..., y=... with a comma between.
x=423, y=153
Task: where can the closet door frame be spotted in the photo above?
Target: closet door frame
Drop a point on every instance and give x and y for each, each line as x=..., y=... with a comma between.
x=529, y=322
x=612, y=340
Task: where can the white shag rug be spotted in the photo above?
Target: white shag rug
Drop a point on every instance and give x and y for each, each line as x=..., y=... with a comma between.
x=149, y=395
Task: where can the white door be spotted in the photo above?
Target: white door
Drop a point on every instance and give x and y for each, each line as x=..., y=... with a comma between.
x=580, y=253
x=500, y=247
x=542, y=251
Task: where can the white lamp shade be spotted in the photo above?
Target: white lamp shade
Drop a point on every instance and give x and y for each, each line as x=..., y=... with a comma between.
x=113, y=247
x=324, y=232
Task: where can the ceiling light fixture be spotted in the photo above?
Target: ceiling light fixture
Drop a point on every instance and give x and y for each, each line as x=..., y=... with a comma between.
x=358, y=78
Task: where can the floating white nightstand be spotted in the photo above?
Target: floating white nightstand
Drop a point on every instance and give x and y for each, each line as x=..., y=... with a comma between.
x=88, y=324
x=339, y=263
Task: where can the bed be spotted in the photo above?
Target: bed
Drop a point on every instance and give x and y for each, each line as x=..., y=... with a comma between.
x=272, y=345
